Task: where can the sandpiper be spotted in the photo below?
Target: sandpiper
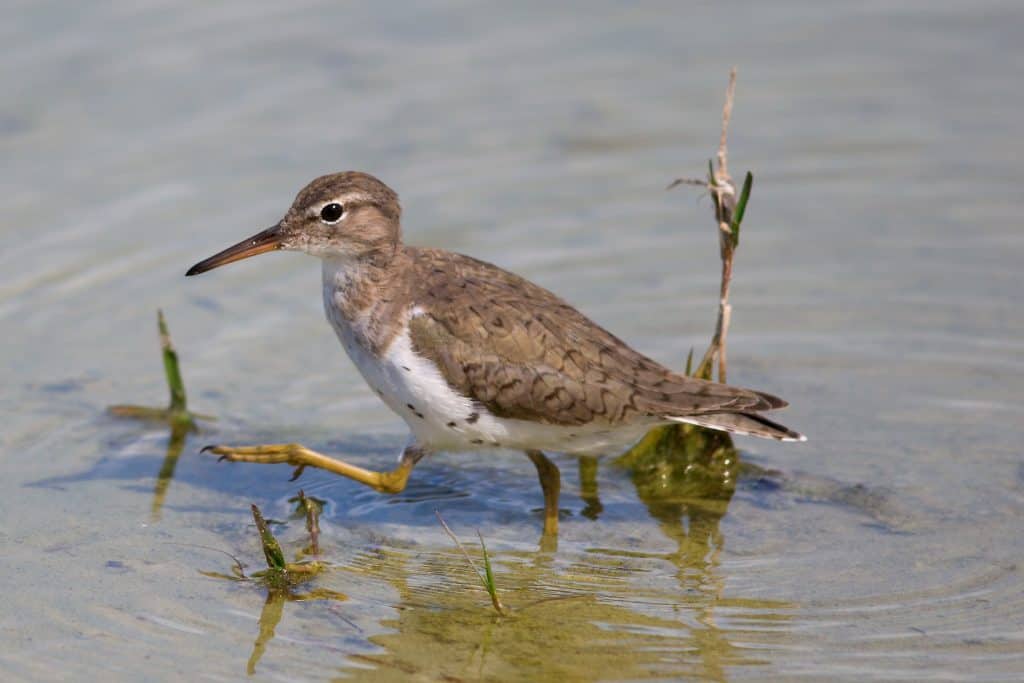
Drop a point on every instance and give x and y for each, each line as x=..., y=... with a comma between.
x=474, y=357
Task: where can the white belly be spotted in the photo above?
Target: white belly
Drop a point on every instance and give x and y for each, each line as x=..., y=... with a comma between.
x=442, y=419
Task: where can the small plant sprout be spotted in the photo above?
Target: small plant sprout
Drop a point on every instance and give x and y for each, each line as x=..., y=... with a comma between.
x=279, y=571
x=487, y=575
x=271, y=548
x=280, y=579
x=176, y=413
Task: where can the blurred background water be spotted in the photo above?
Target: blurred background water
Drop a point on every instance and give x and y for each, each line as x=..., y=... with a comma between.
x=877, y=288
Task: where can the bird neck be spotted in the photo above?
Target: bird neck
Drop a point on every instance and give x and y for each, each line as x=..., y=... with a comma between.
x=363, y=296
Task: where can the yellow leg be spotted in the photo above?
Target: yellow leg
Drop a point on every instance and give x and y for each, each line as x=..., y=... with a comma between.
x=301, y=457
x=550, y=483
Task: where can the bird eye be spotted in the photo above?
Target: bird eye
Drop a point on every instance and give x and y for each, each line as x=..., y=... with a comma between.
x=332, y=212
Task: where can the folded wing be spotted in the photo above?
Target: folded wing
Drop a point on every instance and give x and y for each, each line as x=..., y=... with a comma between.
x=524, y=353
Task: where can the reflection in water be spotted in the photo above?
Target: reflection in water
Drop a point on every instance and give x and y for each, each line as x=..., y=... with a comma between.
x=588, y=488
x=574, y=617
x=684, y=473
x=280, y=579
x=175, y=444
x=687, y=474
x=134, y=467
x=273, y=610
x=270, y=617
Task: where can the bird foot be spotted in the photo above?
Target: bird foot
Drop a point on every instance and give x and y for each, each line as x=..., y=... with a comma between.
x=271, y=454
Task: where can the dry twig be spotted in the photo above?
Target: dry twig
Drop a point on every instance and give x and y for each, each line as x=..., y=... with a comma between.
x=728, y=215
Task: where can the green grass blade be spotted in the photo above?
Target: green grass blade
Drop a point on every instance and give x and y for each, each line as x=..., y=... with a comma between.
x=488, y=573
x=271, y=548
x=489, y=584
x=487, y=576
x=689, y=363
x=174, y=382
x=462, y=549
x=741, y=207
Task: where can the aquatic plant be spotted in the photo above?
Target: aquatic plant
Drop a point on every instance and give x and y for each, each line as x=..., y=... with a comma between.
x=176, y=413
x=487, y=575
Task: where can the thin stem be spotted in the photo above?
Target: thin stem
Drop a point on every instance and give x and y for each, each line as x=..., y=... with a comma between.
x=728, y=215
x=175, y=383
x=723, y=154
x=487, y=576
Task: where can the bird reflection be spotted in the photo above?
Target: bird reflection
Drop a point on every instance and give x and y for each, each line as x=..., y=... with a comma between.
x=577, y=615
x=686, y=476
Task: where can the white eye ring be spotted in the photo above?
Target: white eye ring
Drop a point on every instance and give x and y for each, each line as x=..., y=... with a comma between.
x=332, y=213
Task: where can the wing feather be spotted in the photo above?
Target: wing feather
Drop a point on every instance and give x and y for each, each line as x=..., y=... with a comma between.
x=524, y=353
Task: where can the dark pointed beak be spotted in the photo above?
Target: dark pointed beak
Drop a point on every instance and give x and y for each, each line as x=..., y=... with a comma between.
x=260, y=243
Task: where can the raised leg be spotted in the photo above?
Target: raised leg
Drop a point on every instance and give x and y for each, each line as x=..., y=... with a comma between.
x=550, y=483
x=301, y=457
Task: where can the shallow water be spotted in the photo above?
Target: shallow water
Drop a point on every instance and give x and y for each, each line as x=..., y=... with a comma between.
x=877, y=289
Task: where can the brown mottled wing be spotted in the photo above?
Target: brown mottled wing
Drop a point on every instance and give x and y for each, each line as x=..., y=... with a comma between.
x=524, y=353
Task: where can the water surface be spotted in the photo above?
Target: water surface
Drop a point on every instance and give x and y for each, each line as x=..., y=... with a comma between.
x=877, y=289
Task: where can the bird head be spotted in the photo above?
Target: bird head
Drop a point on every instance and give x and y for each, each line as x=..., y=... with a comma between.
x=349, y=216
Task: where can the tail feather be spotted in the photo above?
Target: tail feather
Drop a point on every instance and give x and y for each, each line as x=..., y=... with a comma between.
x=774, y=402
x=749, y=424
